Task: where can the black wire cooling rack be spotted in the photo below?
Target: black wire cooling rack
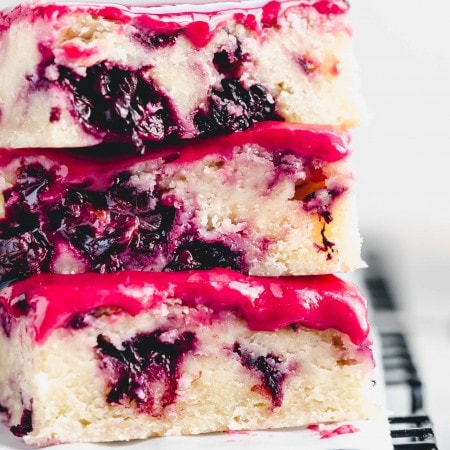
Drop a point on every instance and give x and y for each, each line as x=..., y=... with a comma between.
x=413, y=431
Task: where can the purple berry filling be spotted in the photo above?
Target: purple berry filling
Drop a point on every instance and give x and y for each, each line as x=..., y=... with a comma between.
x=22, y=255
x=78, y=322
x=124, y=104
x=21, y=305
x=130, y=225
x=55, y=114
x=327, y=246
x=5, y=321
x=141, y=365
x=119, y=228
x=153, y=40
x=83, y=320
x=313, y=203
x=25, y=426
x=229, y=63
x=235, y=108
x=24, y=249
x=196, y=254
x=120, y=104
x=320, y=204
x=269, y=369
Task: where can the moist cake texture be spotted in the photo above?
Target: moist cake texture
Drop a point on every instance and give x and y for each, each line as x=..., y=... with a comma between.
x=274, y=200
x=80, y=74
x=189, y=352
x=167, y=173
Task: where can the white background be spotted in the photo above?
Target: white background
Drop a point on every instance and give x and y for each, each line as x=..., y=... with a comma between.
x=402, y=164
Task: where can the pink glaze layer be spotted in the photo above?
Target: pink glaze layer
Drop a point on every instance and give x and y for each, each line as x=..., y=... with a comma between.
x=308, y=142
x=267, y=304
x=198, y=22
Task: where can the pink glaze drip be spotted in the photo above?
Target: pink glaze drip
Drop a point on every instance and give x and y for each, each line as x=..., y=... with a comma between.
x=331, y=7
x=256, y=18
x=311, y=142
x=199, y=33
x=328, y=431
x=267, y=304
x=270, y=14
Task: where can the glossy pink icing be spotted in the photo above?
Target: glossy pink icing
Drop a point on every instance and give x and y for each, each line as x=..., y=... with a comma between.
x=199, y=25
x=308, y=142
x=267, y=304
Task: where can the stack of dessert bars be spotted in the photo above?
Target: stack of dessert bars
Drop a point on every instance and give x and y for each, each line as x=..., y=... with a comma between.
x=176, y=197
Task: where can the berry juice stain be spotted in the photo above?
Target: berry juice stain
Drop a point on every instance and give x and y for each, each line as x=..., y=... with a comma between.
x=145, y=370
x=268, y=368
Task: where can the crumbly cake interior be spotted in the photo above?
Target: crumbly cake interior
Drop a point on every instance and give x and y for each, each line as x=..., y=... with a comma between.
x=176, y=370
x=257, y=210
x=139, y=78
x=207, y=146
